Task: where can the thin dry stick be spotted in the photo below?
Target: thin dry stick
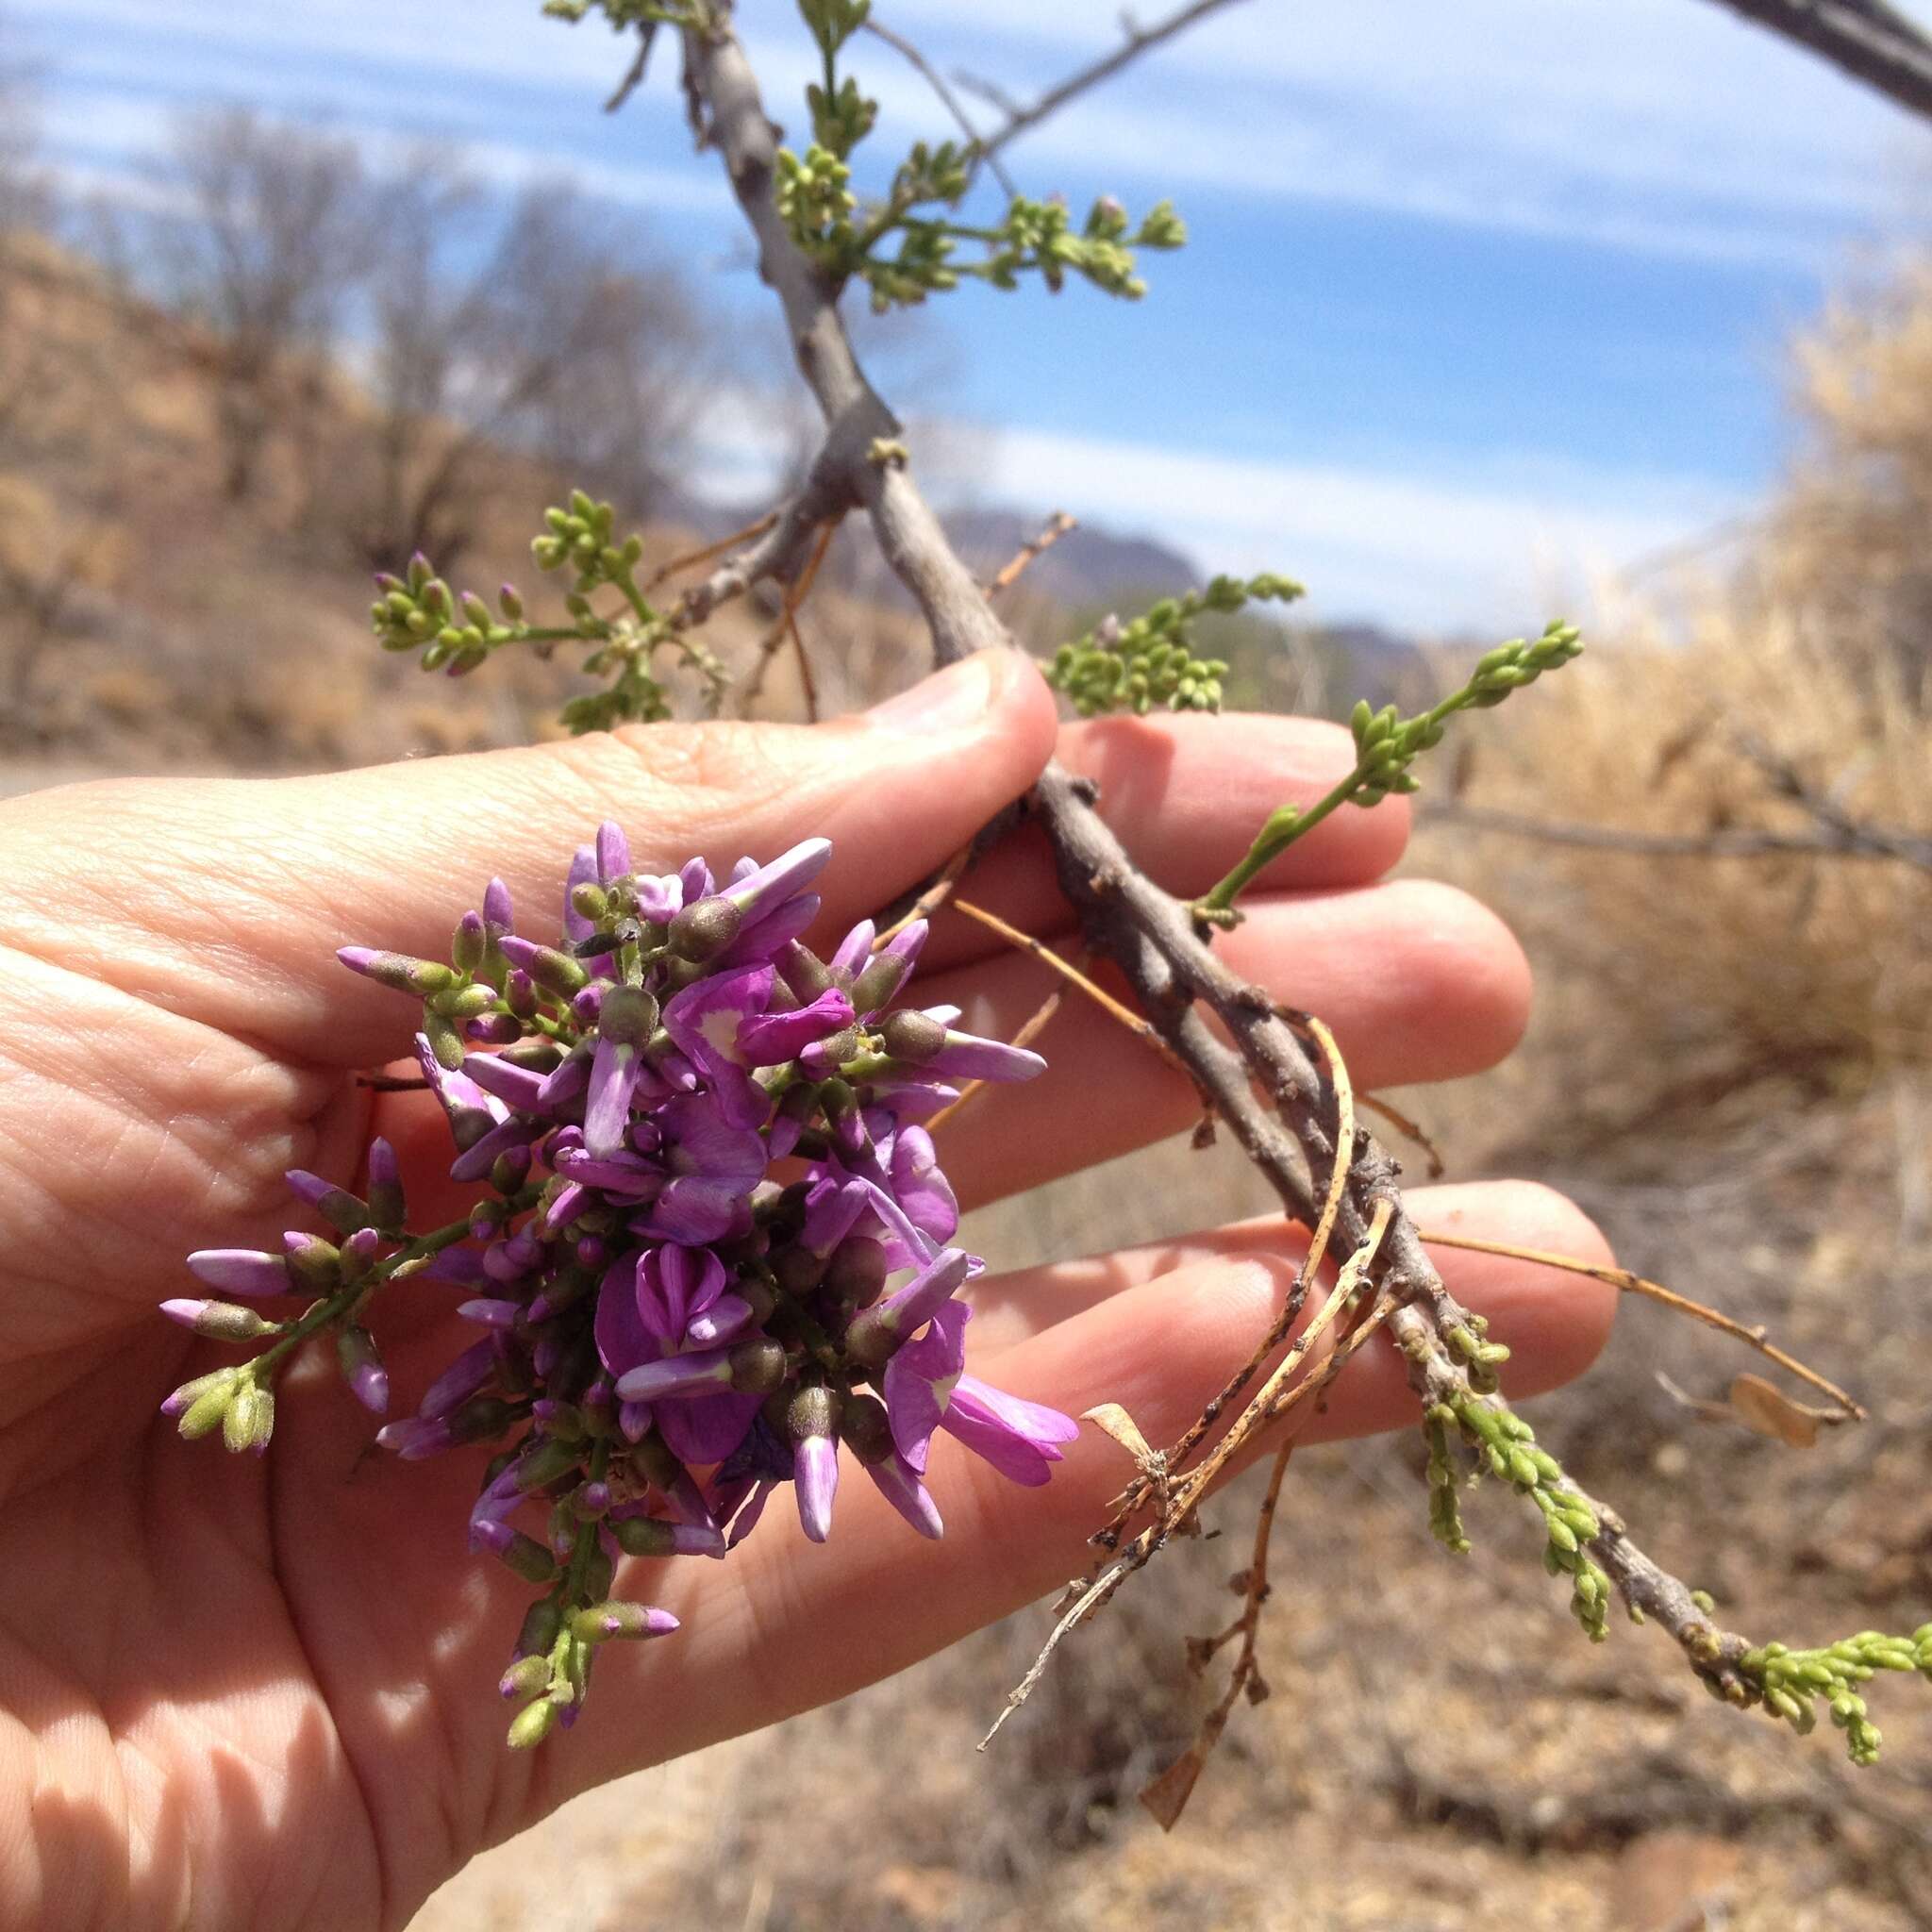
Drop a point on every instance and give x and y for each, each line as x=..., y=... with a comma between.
x=1635, y=1283
x=1026, y=1036
x=678, y=565
x=930, y=900
x=787, y=625
x=1058, y=525
x=1140, y=1028
x=948, y=100
x=1297, y=1293
x=1167, y=1796
x=1409, y=1130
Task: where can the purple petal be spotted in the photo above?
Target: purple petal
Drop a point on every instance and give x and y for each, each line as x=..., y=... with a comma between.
x=707, y=1428
x=694, y=881
x=520, y=1086
x=415, y=1436
x=725, y=1321
x=772, y=1038
x=762, y=890
x=245, y=1272
x=468, y=1373
x=854, y=949
x=761, y=939
x=816, y=1479
x=497, y=912
x=919, y=1379
x=692, y=1211
x=703, y=1019
x=490, y=1313
x=1017, y=1438
x=921, y=1188
x=475, y=1163
x=583, y=872
x=698, y=1374
x=623, y=1340
x=899, y=1484
x=967, y=1055
x=659, y=897
x=613, y=852
x=461, y=1265
x=607, y=1113
x=705, y=1142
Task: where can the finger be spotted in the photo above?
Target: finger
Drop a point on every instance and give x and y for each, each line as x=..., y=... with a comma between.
x=225, y=901
x=1418, y=981
x=1186, y=794
x=784, y=1626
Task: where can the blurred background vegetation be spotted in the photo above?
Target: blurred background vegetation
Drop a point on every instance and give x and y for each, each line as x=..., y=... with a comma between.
x=1728, y=1065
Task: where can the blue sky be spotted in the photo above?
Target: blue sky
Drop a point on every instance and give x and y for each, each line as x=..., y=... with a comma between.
x=1482, y=298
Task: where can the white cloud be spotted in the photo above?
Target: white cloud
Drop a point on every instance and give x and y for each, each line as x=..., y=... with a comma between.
x=1434, y=553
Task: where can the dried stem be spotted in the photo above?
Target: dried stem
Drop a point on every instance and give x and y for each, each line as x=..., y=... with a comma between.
x=1635, y=1283
x=787, y=627
x=1058, y=525
x=1039, y=949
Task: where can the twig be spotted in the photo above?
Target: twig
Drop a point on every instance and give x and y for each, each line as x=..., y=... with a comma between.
x=1058, y=525
x=1028, y=1033
x=948, y=100
x=1090, y=1599
x=1136, y=42
x=1866, y=38
x=787, y=627
x=634, y=77
x=1409, y=1130
x=1635, y=1283
x=1025, y=943
x=1292, y=1302
x=931, y=899
x=678, y=565
x=1844, y=839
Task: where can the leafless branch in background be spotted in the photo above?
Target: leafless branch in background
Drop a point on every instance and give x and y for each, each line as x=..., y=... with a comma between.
x=948, y=100
x=1135, y=41
x=272, y=244
x=1866, y=38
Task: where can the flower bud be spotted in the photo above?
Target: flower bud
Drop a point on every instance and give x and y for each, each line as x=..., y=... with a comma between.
x=912, y=1036
x=599, y=1622
x=627, y=1016
x=532, y=1723
x=398, y=970
x=219, y=1321
x=529, y=1676
x=362, y=1367
x=704, y=928
x=758, y=1366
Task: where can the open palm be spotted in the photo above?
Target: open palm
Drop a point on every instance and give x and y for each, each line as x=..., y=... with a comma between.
x=239, y=1692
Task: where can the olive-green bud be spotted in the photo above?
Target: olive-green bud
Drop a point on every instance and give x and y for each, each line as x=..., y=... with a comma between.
x=758, y=1366
x=911, y=1036
x=857, y=1271
x=704, y=928
x=643, y=1535
x=628, y=1016
x=814, y=1411
x=865, y=1427
x=204, y=1415
x=532, y=1724
x=548, y=1460
x=878, y=980
x=542, y=1622
x=588, y=900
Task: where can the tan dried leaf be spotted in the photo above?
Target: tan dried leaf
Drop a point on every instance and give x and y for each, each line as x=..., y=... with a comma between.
x=1117, y=1422
x=1167, y=1796
x=1759, y=1406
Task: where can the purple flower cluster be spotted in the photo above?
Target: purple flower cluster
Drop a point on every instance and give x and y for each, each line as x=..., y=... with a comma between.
x=713, y=1245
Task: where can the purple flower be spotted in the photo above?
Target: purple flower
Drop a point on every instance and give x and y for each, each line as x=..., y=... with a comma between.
x=1019, y=1439
x=714, y=1165
x=705, y=1020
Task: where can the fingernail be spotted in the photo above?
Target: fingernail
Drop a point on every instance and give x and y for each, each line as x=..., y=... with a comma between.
x=949, y=700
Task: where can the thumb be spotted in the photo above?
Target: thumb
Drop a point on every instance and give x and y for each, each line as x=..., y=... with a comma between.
x=224, y=900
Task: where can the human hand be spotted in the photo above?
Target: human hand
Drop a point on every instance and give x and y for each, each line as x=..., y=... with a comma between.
x=253, y=1692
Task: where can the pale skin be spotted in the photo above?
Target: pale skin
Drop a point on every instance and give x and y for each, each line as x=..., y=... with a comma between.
x=259, y=1693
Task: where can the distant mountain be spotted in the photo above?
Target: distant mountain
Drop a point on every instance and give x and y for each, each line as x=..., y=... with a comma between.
x=1089, y=566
